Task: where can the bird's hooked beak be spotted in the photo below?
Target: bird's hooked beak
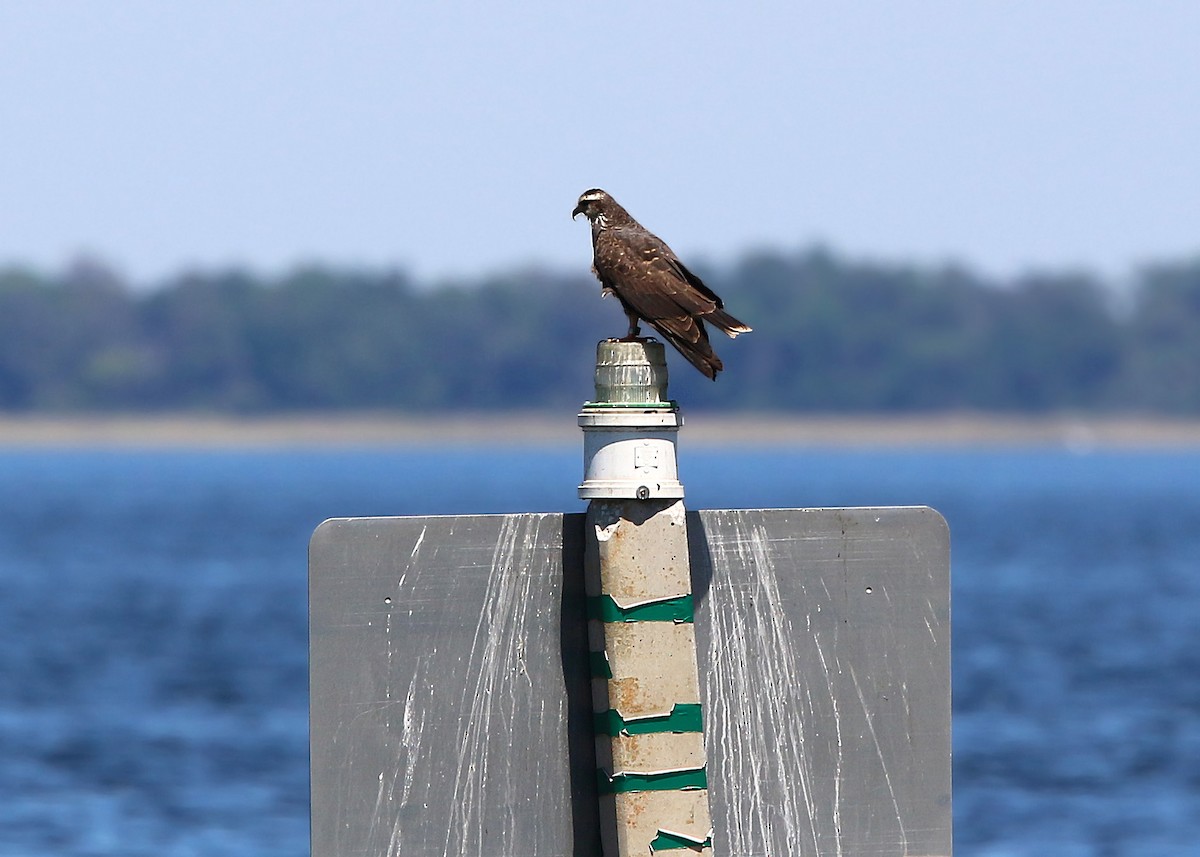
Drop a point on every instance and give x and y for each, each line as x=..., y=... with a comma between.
x=578, y=211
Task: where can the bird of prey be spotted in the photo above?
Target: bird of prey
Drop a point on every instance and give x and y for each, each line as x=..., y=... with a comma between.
x=652, y=284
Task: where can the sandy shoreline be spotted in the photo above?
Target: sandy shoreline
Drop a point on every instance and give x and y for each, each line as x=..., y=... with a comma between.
x=701, y=429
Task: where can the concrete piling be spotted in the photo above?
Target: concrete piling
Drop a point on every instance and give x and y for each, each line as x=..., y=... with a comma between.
x=653, y=775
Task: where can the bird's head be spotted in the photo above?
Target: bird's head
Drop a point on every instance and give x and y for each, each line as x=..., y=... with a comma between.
x=595, y=205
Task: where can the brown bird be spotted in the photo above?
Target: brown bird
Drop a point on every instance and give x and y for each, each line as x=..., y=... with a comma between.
x=652, y=284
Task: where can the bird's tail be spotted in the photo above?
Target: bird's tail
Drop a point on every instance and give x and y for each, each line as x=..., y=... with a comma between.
x=726, y=323
x=698, y=352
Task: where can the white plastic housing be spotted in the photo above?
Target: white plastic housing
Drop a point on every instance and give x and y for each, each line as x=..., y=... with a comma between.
x=629, y=453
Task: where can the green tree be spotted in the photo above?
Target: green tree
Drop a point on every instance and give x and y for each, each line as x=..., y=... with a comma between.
x=1162, y=362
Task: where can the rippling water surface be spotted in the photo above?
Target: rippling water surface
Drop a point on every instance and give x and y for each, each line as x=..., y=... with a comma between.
x=153, y=631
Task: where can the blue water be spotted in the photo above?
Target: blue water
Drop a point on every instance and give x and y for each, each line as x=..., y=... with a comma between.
x=153, y=631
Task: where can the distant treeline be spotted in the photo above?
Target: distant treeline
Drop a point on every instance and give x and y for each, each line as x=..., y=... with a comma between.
x=829, y=335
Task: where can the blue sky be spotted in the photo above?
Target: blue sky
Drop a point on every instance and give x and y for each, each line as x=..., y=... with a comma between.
x=452, y=139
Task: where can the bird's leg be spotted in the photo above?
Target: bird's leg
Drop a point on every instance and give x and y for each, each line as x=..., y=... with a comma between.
x=634, y=330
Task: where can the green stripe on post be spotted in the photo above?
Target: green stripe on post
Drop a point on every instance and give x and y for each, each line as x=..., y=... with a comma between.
x=666, y=841
x=661, y=781
x=679, y=609
x=683, y=717
x=600, y=666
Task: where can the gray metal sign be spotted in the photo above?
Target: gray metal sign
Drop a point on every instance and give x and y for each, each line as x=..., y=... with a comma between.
x=451, y=711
